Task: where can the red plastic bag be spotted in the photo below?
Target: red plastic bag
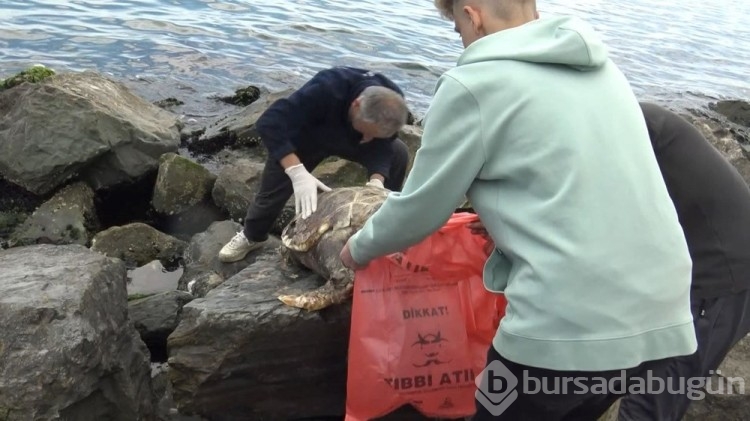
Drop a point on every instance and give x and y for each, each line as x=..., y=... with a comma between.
x=422, y=323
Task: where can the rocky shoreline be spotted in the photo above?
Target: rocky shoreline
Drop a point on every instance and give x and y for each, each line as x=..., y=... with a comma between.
x=99, y=186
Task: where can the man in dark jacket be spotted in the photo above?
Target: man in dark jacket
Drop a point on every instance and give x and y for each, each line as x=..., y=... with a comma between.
x=347, y=112
x=713, y=204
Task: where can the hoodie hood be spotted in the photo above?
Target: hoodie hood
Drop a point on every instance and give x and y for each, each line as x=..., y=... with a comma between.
x=556, y=40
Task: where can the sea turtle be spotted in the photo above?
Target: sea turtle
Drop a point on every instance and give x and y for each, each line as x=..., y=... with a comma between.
x=316, y=242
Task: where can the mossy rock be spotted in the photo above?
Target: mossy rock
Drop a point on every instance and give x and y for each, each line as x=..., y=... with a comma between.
x=339, y=172
x=33, y=74
x=181, y=184
x=243, y=96
x=9, y=220
x=138, y=296
x=168, y=102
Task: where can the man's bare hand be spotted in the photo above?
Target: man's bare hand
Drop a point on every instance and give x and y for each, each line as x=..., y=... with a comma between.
x=348, y=260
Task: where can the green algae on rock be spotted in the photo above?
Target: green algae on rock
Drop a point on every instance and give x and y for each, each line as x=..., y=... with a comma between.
x=33, y=74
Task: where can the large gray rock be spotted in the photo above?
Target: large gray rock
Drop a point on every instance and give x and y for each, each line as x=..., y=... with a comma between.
x=84, y=125
x=236, y=186
x=155, y=317
x=138, y=244
x=16, y=205
x=203, y=270
x=237, y=128
x=239, y=353
x=67, y=347
x=182, y=196
x=736, y=111
x=337, y=172
x=69, y=217
x=180, y=185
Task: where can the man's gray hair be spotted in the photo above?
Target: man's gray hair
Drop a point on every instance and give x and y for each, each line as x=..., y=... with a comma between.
x=384, y=107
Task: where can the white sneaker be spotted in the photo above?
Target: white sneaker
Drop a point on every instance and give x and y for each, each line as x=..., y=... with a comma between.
x=237, y=248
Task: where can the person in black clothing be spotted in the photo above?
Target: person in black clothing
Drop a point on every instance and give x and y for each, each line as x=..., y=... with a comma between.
x=713, y=204
x=343, y=111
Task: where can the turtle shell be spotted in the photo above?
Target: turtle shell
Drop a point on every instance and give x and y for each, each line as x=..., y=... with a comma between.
x=340, y=208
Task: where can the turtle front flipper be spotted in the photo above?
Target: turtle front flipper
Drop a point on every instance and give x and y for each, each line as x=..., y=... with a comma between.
x=328, y=294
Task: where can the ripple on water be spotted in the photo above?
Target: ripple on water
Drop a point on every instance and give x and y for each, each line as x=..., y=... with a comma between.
x=671, y=46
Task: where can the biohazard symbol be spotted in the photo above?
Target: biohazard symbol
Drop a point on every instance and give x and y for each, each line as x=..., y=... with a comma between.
x=430, y=345
x=447, y=404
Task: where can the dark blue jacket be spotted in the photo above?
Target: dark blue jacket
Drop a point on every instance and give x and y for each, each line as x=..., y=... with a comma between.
x=315, y=119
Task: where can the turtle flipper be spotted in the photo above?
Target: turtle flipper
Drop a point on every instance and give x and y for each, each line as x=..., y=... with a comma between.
x=320, y=298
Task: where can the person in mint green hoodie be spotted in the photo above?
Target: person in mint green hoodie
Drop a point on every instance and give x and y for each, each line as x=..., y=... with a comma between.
x=541, y=131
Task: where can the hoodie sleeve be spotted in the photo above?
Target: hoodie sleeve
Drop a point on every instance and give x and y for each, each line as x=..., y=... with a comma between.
x=445, y=166
x=287, y=118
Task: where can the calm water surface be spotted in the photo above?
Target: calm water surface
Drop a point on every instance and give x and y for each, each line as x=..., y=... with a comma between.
x=682, y=51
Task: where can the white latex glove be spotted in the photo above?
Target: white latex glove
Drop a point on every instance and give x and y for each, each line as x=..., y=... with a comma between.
x=305, y=190
x=375, y=182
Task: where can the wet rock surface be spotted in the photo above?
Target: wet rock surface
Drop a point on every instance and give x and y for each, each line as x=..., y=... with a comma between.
x=237, y=129
x=736, y=111
x=203, y=270
x=180, y=185
x=138, y=244
x=67, y=347
x=69, y=217
x=727, y=396
x=239, y=353
x=155, y=317
x=81, y=125
x=236, y=186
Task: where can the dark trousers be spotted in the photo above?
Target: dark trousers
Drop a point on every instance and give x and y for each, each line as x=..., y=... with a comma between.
x=585, y=399
x=276, y=187
x=719, y=324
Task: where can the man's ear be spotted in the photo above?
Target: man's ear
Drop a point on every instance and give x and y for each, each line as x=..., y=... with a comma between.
x=475, y=16
x=356, y=104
